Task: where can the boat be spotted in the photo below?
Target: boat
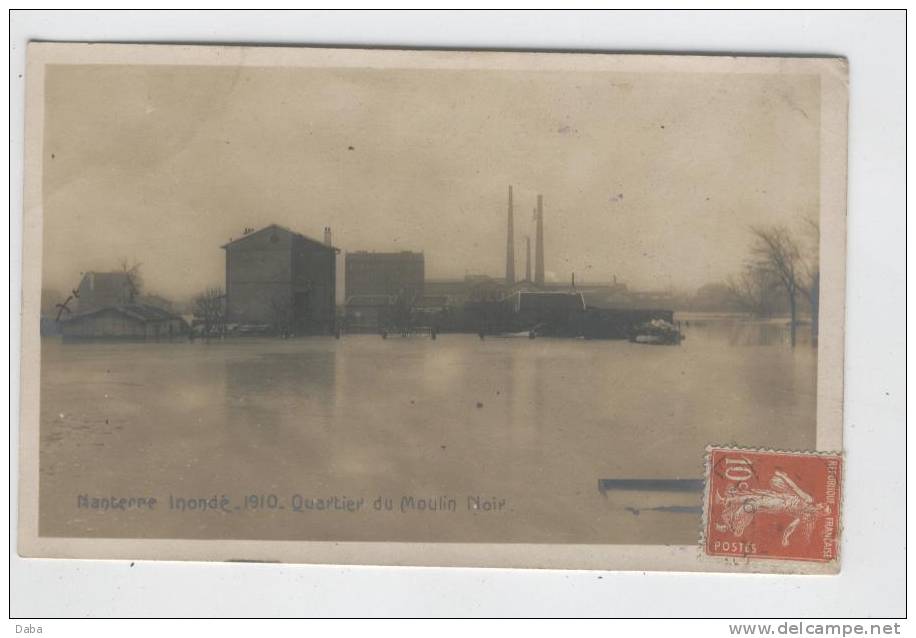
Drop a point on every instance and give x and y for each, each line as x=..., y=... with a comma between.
x=656, y=332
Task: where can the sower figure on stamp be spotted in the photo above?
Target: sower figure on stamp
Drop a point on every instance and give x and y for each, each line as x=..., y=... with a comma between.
x=741, y=504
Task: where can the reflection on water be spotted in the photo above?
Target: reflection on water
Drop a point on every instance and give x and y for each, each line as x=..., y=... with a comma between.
x=537, y=422
x=739, y=331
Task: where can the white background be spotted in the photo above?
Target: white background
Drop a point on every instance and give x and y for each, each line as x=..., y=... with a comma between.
x=872, y=581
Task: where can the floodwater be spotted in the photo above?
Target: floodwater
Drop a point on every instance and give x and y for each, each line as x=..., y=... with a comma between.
x=498, y=440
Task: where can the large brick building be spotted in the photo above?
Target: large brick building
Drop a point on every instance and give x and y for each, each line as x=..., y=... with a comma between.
x=281, y=279
x=392, y=274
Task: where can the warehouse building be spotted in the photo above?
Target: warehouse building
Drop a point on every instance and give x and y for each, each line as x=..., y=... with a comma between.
x=282, y=281
x=393, y=274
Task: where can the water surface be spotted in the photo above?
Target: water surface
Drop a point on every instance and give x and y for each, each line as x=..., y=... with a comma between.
x=531, y=424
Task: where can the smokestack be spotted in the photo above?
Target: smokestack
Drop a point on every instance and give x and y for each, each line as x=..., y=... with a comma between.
x=327, y=235
x=527, y=258
x=539, y=245
x=510, y=245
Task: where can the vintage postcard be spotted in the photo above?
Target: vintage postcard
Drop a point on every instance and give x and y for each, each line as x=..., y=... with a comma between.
x=459, y=308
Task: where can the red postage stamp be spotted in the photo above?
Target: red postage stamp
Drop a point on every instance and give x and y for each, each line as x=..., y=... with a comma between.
x=766, y=504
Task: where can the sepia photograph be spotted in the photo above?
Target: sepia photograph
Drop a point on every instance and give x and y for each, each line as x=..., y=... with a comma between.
x=433, y=307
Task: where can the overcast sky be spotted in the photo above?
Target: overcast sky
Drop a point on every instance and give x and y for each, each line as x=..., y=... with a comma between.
x=654, y=178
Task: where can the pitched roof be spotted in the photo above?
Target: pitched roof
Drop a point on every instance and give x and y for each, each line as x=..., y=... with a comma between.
x=549, y=300
x=143, y=312
x=285, y=230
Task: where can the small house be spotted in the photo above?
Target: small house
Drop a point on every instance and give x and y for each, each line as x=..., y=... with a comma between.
x=129, y=322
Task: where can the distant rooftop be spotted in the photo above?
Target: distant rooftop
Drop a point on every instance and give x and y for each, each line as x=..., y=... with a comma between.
x=537, y=300
x=252, y=233
x=397, y=253
x=143, y=312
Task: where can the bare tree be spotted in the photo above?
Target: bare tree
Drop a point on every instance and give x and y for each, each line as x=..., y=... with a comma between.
x=776, y=251
x=131, y=270
x=810, y=286
x=752, y=290
x=209, y=307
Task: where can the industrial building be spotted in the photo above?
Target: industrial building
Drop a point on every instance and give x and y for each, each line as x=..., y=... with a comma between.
x=281, y=280
x=544, y=313
x=394, y=274
x=470, y=288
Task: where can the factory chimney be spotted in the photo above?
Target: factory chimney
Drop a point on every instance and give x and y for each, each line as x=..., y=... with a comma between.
x=527, y=258
x=327, y=235
x=510, y=245
x=539, y=245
